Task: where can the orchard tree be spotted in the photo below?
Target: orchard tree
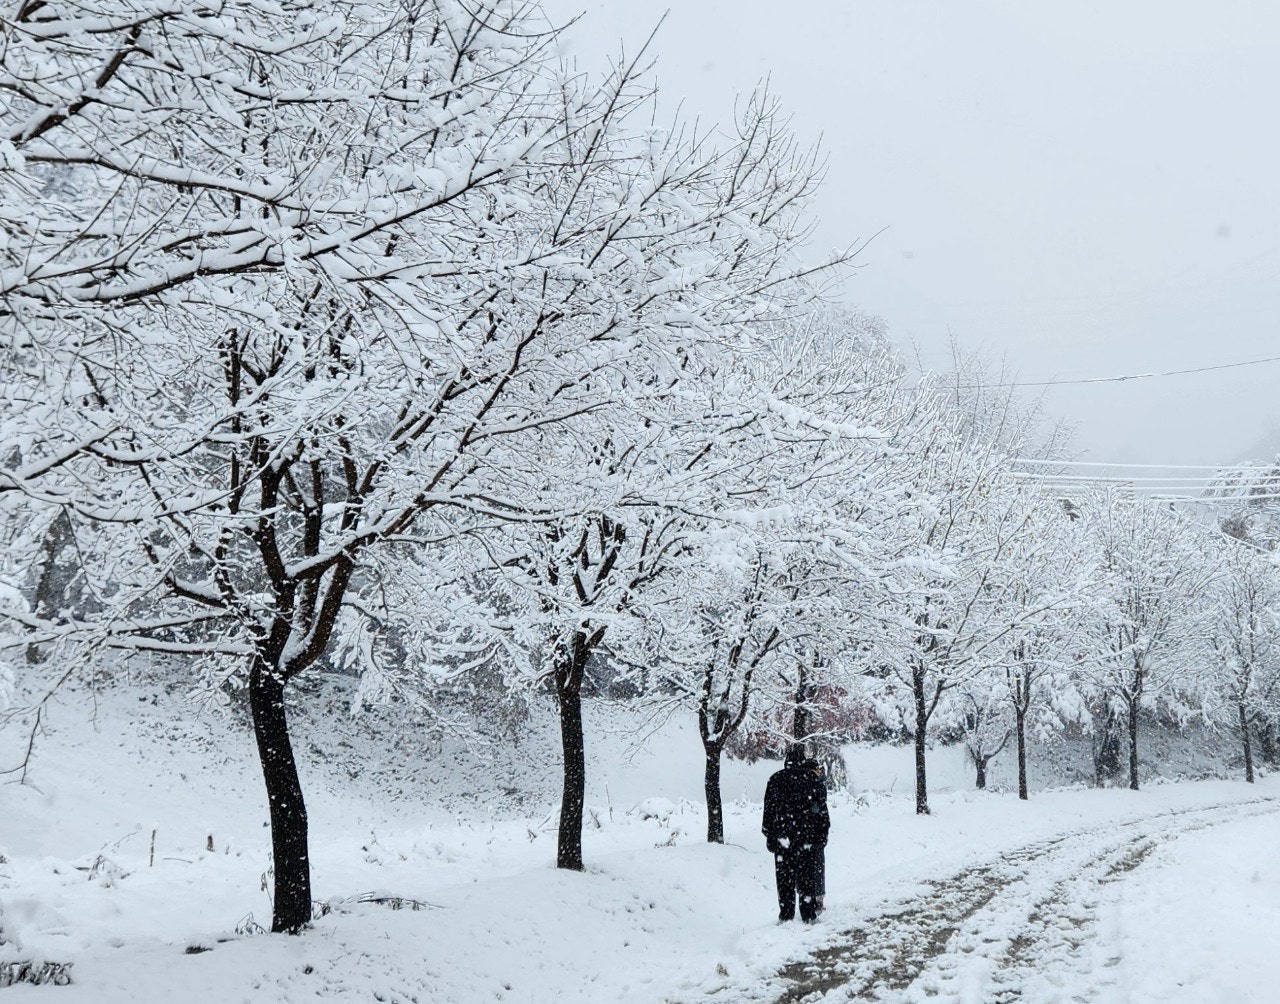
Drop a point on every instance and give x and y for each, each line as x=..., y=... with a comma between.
x=224, y=338
x=1152, y=580
x=248, y=294
x=953, y=602
x=1052, y=579
x=1041, y=579
x=700, y=249
x=1243, y=640
x=743, y=635
x=790, y=555
x=987, y=725
x=1036, y=591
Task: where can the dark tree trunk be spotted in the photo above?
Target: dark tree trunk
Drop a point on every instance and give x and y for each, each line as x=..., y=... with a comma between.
x=1248, y=746
x=47, y=587
x=1106, y=754
x=291, y=909
x=60, y=590
x=569, y=845
x=1133, y=745
x=922, y=724
x=570, y=664
x=715, y=805
x=1020, y=720
x=800, y=720
x=1265, y=737
x=981, y=764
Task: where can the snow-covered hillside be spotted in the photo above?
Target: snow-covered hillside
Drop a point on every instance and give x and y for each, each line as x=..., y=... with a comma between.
x=465, y=849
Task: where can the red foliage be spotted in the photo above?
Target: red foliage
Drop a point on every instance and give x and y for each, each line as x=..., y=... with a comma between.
x=833, y=720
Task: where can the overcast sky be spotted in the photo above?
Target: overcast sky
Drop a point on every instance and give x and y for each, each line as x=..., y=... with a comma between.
x=1085, y=189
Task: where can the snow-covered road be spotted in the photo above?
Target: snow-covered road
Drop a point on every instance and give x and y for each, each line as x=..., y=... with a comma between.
x=1198, y=921
x=1072, y=918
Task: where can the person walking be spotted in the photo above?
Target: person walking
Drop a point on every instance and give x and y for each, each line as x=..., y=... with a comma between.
x=795, y=828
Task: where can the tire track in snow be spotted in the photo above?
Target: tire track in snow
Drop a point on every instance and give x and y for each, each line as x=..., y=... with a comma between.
x=1022, y=928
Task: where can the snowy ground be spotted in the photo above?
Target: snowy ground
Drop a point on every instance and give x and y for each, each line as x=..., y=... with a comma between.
x=1168, y=894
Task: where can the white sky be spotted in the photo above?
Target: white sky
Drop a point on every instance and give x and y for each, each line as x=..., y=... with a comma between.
x=1086, y=189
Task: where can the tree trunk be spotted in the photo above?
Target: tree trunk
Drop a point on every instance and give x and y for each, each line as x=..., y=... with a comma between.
x=1106, y=753
x=1133, y=745
x=56, y=592
x=1020, y=719
x=981, y=764
x=922, y=723
x=800, y=719
x=1248, y=746
x=569, y=844
x=1264, y=736
x=715, y=805
x=291, y=903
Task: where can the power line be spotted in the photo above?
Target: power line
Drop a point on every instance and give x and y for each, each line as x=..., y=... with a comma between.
x=1123, y=487
x=1219, y=479
x=1117, y=479
x=1152, y=484
x=1162, y=467
x=1163, y=493
x=1113, y=379
x=1215, y=499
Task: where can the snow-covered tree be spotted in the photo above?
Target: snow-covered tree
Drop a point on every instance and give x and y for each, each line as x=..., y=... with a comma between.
x=247, y=258
x=1041, y=577
x=1248, y=495
x=952, y=597
x=1052, y=576
x=1151, y=580
x=987, y=723
x=1242, y=634
x=698, y=248
x=793, y=556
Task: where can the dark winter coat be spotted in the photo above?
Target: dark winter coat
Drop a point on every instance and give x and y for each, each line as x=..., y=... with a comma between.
x=795, y=810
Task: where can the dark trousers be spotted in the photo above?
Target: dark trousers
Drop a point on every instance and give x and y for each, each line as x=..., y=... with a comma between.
x=799, y=872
